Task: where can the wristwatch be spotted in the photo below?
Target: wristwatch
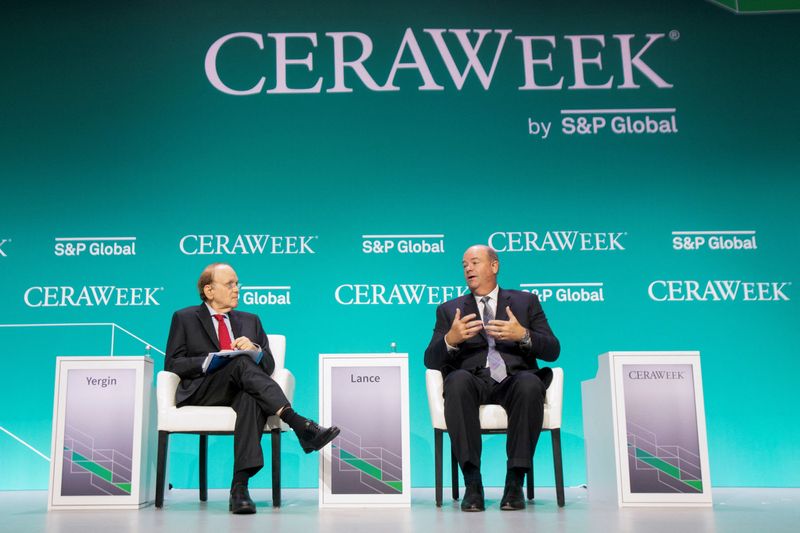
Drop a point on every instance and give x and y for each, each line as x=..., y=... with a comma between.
x=526, y=339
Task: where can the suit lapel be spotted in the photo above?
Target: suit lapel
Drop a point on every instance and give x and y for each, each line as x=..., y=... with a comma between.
x=471, y=306
x=208, y=324
x=503, y=301
x=236, y=324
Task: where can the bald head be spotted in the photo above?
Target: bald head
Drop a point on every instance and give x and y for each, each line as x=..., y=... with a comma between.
x=219, y=287
x=481, y=265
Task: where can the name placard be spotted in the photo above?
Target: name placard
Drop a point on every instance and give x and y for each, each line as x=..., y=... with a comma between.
x=101, y=440
x=368, y=464
x=644, y=424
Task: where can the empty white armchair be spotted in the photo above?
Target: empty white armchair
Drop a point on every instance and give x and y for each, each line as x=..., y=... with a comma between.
x=206, y=421
x=495, y=420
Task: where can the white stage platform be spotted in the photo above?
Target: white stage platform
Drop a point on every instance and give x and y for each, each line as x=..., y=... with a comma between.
x=734, y=511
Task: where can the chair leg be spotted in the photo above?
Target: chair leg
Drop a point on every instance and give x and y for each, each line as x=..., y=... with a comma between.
x=161, y=467
x=276, y=467
x=555, y=436
x=203, y=468
x=454, y=472
x=529, y=475
x=437, y=469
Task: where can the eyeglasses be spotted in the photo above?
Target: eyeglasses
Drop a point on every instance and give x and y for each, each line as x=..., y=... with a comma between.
x=230, y=285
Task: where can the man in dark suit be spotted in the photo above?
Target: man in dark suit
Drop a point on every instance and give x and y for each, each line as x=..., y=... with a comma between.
x=486, y=344
x=242, y=384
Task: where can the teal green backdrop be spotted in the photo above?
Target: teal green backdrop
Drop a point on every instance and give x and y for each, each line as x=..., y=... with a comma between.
x=684, y=238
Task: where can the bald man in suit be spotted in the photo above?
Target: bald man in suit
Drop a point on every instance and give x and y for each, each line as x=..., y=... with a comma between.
x=486, y=344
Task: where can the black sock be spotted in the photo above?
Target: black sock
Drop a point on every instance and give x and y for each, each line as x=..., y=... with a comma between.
x=515, y=476
x=295, y=421
x=241, y=477
x=472, y=474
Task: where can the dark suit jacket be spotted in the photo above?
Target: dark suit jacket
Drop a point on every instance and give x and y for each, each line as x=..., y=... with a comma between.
x=471, y=354
x=192, y=336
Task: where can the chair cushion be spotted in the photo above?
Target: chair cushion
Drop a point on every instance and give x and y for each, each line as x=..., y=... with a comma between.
x=494, y=417
x=197, y=419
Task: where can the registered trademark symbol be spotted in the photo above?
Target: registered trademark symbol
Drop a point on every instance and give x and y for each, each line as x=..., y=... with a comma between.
x=674, y=35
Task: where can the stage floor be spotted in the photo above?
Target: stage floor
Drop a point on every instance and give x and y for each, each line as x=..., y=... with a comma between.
x=734, y=510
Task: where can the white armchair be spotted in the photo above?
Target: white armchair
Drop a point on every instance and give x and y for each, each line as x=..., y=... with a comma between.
x=495, y=420
x=206, y=421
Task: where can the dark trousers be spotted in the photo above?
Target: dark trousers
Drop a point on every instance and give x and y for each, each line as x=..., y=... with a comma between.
x=254, y=395
x=521, y=395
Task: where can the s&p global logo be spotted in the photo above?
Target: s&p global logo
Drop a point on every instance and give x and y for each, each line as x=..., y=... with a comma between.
x=403, y=244
x=714, y=240
x=91, y=296
x=266, y=294
x=3, y=242
x=94, y=246
x=557, y=241
x=718, y=290
x=247, y=244
x=567, y=292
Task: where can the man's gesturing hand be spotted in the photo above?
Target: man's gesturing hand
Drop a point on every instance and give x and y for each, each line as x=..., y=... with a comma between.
x=506, y=330
x=463, y=328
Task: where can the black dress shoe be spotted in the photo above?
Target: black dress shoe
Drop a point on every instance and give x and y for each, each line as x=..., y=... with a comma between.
x=473, y=498
x=314, y=437
x=513, y=499
x=240, y=502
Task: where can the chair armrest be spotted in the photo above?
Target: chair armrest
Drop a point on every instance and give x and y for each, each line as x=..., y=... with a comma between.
x=166, y=385
x=434, y=383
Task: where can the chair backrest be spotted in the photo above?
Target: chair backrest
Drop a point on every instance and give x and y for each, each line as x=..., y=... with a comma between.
x=555, y=399
x=277, y=345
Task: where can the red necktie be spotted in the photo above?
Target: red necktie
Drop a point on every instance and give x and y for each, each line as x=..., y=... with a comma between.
x=222, y=333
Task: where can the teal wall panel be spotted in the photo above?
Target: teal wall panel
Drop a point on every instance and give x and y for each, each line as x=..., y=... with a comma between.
x=111, y=128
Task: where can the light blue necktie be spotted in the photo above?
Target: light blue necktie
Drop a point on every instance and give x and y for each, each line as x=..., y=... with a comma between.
x=497, y=367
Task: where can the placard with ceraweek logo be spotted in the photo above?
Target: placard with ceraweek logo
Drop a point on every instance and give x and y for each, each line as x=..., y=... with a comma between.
x=368, y=464
x=102, y=440
x=648, y=407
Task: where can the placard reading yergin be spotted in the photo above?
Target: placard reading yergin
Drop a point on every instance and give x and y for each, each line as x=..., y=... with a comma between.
x=98, y=432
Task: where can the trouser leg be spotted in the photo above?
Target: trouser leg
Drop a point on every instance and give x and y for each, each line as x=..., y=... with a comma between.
x=241, y=374
x=523, y=399
x=462, y=398
x=252, y=379
x=254, y=396
x=250, y=421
